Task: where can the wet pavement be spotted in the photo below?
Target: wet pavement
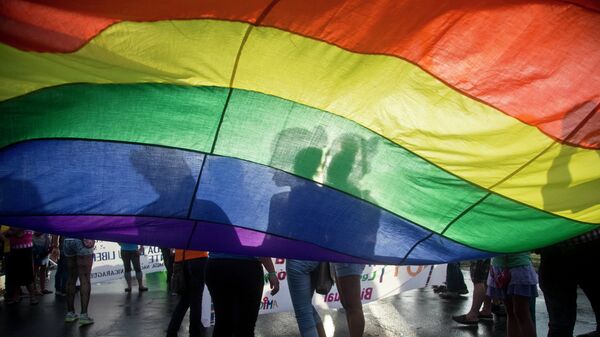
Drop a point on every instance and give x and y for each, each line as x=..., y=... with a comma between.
x=415, y=313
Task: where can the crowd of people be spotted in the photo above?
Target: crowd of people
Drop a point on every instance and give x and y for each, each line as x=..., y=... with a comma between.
x=235, y=283
x=512, y=280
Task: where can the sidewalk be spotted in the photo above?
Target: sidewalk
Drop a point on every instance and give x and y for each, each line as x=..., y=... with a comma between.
x=416, y=313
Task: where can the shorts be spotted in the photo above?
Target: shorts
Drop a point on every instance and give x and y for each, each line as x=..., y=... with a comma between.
x=523, y=282
x=479, y=270
x=75, y=247
x=348, y=269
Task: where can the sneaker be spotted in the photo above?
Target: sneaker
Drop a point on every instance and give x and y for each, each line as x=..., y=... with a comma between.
x=84, y=319
x=451, y=295
x=71, y=317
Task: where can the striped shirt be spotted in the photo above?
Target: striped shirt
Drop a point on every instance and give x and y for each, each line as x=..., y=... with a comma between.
x=24, y=241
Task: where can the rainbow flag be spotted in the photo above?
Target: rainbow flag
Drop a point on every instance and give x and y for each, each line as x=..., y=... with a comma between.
x=401, y=132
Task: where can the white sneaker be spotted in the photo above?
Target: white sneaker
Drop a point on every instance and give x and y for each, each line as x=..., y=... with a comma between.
x=71, y=317
x=84, y=319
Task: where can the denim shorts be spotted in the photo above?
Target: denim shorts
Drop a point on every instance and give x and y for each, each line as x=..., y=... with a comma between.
x=348, y=269
x=75, y=247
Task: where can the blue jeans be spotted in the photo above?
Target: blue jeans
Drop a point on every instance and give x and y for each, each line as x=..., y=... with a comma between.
x=301, y=292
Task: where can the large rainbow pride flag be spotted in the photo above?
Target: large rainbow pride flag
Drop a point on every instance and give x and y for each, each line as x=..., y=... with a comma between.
x=401, y=132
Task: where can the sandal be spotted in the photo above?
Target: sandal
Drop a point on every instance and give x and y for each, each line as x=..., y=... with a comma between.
x=485, y=317
x=127, y=290
x=143, y=289
x=462, y=319
x=46, y=291
x=12, y=302
x=34, y=301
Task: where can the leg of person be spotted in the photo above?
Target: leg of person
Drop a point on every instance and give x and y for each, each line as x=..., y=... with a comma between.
x=84, y=268
x=512, y=327
x=168, y=261
x=560, y=293
x=479, y=270
x=320, y=327
x=36, y=274
x=219, y=282
x=196, y=269
x=11, y=296
x=27, y=277
x=126, y=256
x=588, y=256
x=522, y=315
x=42, y=276
x=135, y=259
x=61, y=276
x=178, y=314
x=301, y=293
x=349, y=288
x=71, y=281
x=248, y=287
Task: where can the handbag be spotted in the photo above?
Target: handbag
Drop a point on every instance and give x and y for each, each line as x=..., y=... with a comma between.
x=501, y=279
x=321, y=279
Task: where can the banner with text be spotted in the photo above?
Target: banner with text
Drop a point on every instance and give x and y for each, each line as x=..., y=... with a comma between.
x=377, y=282
x=108, y=265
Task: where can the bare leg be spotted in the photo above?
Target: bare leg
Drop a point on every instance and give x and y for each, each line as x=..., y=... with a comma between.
x=522, y=314
x=321, y=330
x=84, y=268
x=71, y=281
x=487, y=305
x=36, y=272
x=512, y=326
x=128, y=279
x=42, y=277
x=32, y=293
x=478, y=299
x=349, y=288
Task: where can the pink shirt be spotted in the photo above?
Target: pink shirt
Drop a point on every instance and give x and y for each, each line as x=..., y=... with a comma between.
x=24, y=241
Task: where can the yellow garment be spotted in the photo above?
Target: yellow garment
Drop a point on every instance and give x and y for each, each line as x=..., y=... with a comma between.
x=4, y=229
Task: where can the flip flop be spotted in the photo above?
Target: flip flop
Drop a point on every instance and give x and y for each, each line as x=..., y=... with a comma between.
x=143, y=289
x=485, y=317
x=462, y=319
x=127, y=290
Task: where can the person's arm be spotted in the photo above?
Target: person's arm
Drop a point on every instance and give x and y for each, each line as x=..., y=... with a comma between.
x=141, y=250
x=273, y=280
x=54, y=250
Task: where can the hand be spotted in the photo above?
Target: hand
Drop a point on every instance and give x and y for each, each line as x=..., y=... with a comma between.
x=54, y=254
x=140, y=250
x=274, y=283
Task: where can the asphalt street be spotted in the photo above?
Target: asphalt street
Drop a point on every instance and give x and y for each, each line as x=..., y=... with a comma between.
x=415, y=313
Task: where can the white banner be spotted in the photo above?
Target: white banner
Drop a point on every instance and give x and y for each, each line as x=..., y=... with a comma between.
x=377, y=282
x=108, y=265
